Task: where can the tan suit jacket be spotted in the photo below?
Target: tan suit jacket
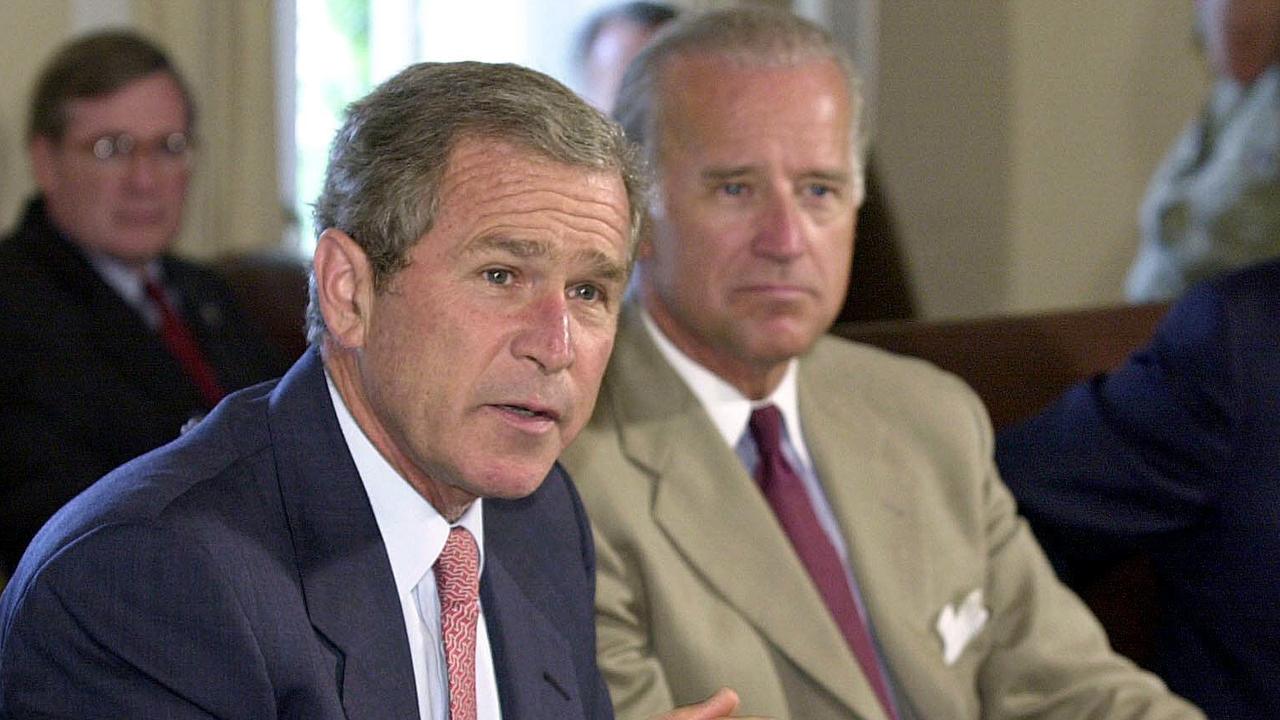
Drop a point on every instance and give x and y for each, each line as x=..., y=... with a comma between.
x=697, y=586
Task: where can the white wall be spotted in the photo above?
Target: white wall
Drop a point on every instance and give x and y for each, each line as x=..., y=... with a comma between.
x=28, y=28
x=29, y=31
x=1015, y=138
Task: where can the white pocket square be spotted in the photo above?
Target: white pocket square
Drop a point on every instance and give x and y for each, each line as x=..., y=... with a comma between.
x=957, y=627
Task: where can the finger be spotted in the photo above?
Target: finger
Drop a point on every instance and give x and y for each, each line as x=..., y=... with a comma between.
x=721, y=704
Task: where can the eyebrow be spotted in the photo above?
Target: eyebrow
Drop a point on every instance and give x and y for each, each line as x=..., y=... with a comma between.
x=729, y=173
x=832, y=176
x=512, y=246
x=601, y=264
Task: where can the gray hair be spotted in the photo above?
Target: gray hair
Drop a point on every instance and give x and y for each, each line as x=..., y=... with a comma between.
x=752, y=37
x=382, y=185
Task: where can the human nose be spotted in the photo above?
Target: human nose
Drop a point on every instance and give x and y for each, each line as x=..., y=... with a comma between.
x=780, y=233
x=546, y=337
x=142, y=170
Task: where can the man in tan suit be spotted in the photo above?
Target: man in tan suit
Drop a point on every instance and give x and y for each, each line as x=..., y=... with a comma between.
x=815, y=523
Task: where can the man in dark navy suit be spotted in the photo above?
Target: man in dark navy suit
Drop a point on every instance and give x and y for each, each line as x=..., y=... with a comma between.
x=109, y=343
x=376, y=535
x=1178, y=452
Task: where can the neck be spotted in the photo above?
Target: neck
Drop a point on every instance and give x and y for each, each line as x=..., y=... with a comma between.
x=343, y=366
x=755, y=380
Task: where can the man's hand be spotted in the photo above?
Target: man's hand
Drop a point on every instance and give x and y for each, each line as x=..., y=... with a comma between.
x=720, y=705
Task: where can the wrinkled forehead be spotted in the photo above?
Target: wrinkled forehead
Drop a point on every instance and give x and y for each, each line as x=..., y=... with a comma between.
x=488, y=178
x=726, y=98
x=514, y=163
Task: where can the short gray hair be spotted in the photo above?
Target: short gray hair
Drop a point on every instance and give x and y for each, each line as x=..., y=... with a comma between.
x=754, y=36
x=382, y=185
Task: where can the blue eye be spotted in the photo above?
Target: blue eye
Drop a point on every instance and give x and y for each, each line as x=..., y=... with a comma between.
x=734, y=189
x=590, y=293
x=821, y=190
x=499, y=276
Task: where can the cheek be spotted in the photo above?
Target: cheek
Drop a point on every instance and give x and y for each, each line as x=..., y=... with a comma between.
x=95, y=193
x=176, y=189
x=836, y=246
x=593, y=346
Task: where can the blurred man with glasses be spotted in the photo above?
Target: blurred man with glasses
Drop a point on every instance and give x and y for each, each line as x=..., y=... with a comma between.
x=109, y=344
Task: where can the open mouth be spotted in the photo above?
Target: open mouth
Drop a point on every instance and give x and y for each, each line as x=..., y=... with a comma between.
x=527, y=412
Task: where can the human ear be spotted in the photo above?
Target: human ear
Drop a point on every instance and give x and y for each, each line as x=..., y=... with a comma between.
x=344, y=287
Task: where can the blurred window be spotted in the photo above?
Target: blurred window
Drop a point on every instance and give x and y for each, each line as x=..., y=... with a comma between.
x=343, y=48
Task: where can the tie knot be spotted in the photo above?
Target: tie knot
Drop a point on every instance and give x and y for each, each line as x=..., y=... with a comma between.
x=766, y=430
x=458, y=568
x=155, y=292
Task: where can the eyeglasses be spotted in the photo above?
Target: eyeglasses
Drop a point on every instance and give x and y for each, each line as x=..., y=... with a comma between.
x=172, y=149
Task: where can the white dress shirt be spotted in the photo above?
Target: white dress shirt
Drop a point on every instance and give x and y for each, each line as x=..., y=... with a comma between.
x=129, y=285
x=414, y=533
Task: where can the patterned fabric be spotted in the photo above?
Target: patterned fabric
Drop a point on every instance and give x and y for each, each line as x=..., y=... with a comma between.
x=458, y=580
x=1213, y=205
x=785, y=492
x=181, y=343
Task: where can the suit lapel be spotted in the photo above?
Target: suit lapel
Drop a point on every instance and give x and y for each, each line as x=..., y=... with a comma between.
x=133, y=349
x=533, y=664
x=867, y=481
x=712, y=511
x=345, y=573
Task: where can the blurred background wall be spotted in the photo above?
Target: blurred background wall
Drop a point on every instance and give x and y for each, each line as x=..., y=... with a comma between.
x=1014, y=137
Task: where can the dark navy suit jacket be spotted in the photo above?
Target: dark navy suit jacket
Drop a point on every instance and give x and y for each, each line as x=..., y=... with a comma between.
x=1178, y=452
x=239, y=573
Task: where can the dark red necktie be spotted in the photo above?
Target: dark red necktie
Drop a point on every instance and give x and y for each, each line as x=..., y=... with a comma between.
x=785, y=492
x=181, y=344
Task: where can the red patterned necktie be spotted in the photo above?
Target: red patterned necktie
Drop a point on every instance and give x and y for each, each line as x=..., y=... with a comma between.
x=786, y=495
x=181, y=343
x=458, y=580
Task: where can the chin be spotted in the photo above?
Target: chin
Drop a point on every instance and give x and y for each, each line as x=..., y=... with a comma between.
x=513, y=483
x=784, y=341
x=145, y=250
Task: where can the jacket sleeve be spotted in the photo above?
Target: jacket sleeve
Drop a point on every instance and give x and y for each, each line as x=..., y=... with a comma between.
x=599, y=704
x=1047, y=657
x=634, y=674
x=1130, y=457
x=128, y=621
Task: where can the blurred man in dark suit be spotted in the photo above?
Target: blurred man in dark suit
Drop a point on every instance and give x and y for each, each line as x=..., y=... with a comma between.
x=109, y=343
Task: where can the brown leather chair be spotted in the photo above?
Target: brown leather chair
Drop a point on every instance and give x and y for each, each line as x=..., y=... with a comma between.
x=272, y=290
x=1019, y=364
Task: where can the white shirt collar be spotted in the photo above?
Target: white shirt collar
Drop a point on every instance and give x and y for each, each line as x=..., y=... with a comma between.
x=413, y=531
x=127, y=283
x=728, y=408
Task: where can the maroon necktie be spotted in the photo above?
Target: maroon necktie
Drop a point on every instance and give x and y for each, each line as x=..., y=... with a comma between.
x=458, y=582
x=181, y=344
x=786, y=495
